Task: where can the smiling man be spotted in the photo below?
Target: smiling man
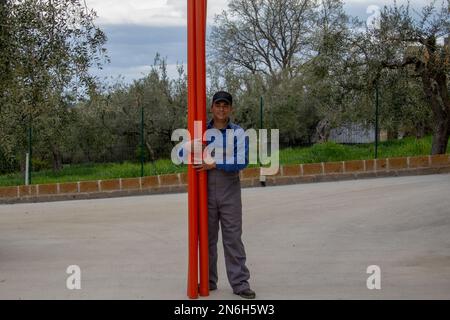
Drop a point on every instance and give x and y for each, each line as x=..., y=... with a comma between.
x=224, y=199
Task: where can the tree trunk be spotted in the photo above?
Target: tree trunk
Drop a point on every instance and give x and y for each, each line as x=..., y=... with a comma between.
x=420, y=130
x=150, y=151
x=436, y=92
x=392, y=133
x=323, y=131
x=57, y=159
x=440, y=137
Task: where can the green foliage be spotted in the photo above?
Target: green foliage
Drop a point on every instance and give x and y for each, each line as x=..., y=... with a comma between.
x=112, y=117
x=7, y=163
x=331, y=76
x=316, y=70
x=404, y=55
x=40, y=165
x=48, y=61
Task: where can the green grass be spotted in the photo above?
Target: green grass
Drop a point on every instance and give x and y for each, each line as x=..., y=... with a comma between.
x=327, y=152
x=84, y=172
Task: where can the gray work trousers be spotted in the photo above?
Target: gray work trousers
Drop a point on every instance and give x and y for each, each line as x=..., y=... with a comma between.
x=225, y=206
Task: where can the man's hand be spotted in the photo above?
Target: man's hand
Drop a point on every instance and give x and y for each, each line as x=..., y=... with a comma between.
x=204, y=167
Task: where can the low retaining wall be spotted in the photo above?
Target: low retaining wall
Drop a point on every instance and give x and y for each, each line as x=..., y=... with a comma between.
x=288, y=174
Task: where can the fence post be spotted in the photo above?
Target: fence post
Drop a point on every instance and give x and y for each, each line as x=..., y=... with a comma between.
x=376, y=118
x=261, y=107
x=29, y=163
x=27, y=168
x=142, y=140
x=262, y=179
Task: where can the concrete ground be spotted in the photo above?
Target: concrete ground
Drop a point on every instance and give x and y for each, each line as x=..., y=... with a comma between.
x=310, y=241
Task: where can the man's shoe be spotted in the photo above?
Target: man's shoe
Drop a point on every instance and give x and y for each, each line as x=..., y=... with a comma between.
x=247, y=294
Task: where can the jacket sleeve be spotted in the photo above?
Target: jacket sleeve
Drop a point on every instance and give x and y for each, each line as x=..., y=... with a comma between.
x=241, y=149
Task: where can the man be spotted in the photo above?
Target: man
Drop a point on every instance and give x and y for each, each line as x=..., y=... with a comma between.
x=224, y=201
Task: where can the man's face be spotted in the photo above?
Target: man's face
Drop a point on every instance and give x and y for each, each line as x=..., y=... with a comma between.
x=221, y=110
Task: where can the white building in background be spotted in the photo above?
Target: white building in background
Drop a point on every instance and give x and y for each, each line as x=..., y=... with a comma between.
x=355, y=134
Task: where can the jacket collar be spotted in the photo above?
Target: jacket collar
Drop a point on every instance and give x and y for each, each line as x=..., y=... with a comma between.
x=230, y=124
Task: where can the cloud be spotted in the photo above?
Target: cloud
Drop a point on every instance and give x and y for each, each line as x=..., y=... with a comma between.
x=368, y=10
x=138, y=45
x=139, y=29
x=132, y=49
x=173, y=12
x=140, y=12
x=148, y=12
x=385, y=2
x=129, y=74
x=359, y=7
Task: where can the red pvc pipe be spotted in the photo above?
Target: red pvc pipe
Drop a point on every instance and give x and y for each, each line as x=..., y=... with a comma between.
x=192, y=285
x=201, y=116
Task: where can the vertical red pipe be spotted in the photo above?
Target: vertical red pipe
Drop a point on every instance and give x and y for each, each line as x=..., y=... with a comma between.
x=201, y=116
x=192, y=286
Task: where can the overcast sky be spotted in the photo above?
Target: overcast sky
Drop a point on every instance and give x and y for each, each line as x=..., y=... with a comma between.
x=138, y=29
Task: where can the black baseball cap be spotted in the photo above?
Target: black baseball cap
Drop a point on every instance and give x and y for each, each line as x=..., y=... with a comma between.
x=223, y=96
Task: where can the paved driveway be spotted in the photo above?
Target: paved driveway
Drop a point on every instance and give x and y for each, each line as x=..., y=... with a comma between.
x=310, y=241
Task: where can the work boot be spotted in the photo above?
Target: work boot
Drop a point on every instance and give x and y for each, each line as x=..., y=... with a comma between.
x=247, y=294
